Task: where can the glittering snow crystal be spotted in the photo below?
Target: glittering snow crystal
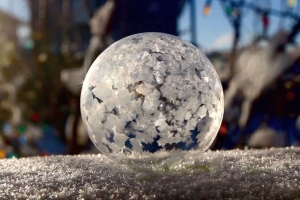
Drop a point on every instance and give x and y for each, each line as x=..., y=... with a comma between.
x=151, y=92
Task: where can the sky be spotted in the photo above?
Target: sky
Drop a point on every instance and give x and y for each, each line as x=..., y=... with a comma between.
x=213, y=31
x=18, y=8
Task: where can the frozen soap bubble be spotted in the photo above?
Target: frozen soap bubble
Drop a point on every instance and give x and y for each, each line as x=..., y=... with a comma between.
x=151, y=93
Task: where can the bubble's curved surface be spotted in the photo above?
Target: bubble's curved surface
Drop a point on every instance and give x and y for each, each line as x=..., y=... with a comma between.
x=149, y=93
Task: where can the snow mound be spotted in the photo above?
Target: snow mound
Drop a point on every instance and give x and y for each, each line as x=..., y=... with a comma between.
x=249, y=174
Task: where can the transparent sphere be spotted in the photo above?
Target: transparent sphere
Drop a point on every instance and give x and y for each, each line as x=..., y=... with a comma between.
x=150, y=93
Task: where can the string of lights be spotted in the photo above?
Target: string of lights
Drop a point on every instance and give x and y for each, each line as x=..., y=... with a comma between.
x=233, y=6
x=234, y=10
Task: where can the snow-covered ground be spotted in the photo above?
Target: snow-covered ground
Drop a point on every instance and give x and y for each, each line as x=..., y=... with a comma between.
x=237, y=174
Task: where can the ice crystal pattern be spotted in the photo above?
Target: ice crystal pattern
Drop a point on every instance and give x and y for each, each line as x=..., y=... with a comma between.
x=151, y=92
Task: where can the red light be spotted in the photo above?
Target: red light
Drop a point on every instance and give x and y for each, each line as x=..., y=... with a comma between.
x=223, y=129
x=45, y=154
x=265, y=20
x=290, y=96
x=35, y=117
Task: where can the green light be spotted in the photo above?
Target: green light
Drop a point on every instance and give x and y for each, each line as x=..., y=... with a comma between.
x=45, y=127
x=12, y=155
x=229, y=10
x=22, y=129
x=28, y=44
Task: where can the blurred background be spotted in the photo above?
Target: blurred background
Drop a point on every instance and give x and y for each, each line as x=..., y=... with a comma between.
x=48, y=45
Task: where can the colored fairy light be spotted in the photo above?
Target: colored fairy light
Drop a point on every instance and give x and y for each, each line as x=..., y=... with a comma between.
x=223, y=129
x=291, y=3
x=2, y=153
x=207, y=8
x=21, y=129
x=45, y=154
x=7, y=128
x=228, y=10
x=290, y=96
x=265, y=19
x=12, y=155
x=35, y=117
x=46, y=127
x=22, y=139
